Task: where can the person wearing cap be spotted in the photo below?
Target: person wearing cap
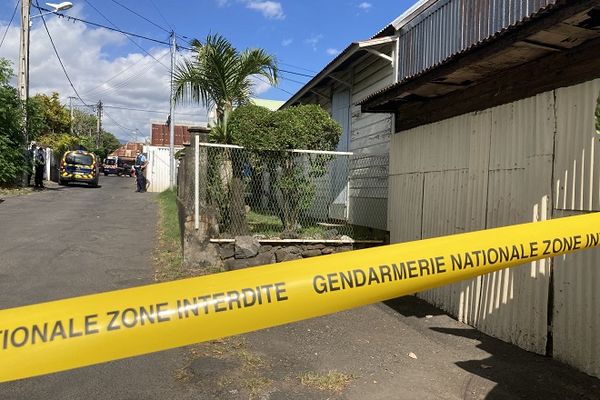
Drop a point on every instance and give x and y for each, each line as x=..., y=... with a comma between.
x=140, y=170
x=40, y=164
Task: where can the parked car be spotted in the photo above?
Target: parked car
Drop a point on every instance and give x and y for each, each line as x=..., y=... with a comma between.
x=117, y=165
x=110, y=166
x=78, y=166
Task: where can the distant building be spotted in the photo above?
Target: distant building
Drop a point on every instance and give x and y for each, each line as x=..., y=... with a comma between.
x=128, y=150
x=272, y=105
x=161, y=134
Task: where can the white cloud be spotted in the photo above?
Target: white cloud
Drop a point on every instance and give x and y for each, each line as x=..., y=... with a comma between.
x=365, y=6
x=261, y=85
x=133, y=80
x=287, y=42
x=332, y=52
x=313, y=41
x=269, y=9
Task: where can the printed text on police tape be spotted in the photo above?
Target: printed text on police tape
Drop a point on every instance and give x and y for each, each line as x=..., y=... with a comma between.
x=222, y=302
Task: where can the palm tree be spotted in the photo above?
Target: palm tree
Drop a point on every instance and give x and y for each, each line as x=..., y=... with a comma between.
x=219, y=76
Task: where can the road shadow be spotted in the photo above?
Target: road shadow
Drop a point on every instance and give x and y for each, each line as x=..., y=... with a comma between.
x=412, y=306
x=73, y=185
x=519, y=374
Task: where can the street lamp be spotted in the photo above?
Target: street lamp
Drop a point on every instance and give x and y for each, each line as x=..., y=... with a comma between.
x=24, y=57
x=65, y=5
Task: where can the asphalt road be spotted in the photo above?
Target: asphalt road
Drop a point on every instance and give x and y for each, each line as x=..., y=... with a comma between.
x=76, y=240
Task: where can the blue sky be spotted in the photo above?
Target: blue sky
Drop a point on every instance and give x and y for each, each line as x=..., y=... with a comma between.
x=303, y=35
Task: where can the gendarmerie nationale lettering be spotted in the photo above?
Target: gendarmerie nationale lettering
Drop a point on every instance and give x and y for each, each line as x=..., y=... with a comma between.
x=376, y=275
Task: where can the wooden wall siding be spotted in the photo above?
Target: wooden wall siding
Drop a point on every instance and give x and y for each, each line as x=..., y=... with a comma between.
x=369, y=141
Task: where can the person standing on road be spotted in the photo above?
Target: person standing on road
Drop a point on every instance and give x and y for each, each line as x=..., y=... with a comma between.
x=30, y=162
x=140, y=171
x=40, y=164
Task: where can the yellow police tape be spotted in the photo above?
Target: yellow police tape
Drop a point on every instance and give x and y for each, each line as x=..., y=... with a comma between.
x=71, y=333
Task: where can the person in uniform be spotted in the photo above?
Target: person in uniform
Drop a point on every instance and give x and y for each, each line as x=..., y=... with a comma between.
x=40, y=164
x=140, y=172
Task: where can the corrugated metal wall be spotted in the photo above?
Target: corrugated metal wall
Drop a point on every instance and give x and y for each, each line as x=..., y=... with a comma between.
x=577, y=183
x=451, y=26
x=482, y=170
x=369, y=141
x=502, y=166
x=576, y=317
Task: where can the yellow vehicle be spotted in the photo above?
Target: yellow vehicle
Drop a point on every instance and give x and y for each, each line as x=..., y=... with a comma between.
x=78, y=166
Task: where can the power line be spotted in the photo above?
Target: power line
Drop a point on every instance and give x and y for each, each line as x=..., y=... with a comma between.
x=59, y=59
x=121, y=107
x=184, y=38
x=71, y=18
x=10, y=22
x=297, y=67
x=276, y=87
x=116, y=123
x=140, y=15
x=296, y=73
x=161, y=15
x=119, y=85
x=148, y=111
x=130, y=39
x=293, y=80
x=117, y=75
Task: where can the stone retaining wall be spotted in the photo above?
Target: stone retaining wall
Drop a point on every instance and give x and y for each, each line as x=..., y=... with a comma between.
x=248, y=251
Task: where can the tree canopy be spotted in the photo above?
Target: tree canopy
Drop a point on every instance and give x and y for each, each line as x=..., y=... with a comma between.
x=219, y=76
x=11, y=117
x=48, y=122
x=269, y=135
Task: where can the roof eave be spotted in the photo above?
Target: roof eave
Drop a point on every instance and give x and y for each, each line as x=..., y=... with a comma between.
x=336, y=63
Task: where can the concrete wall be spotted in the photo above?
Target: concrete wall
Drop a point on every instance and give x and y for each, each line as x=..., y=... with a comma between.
x=502, y=166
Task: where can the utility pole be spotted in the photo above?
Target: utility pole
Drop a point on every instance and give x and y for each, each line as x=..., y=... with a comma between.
x=24, y=72
x=172, y=117
x=98, y=123
x=71, y=110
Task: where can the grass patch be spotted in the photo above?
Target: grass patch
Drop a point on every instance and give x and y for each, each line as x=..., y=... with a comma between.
x=12, y=191
x=268, y=225
x=333, y=381
x=248, y=374
x=271, y=226
x=168, y=255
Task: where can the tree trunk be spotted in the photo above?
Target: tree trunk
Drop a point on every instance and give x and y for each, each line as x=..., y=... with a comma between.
x=237, y=204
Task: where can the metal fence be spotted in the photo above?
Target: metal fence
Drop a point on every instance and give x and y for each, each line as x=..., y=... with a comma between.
x=279, y=194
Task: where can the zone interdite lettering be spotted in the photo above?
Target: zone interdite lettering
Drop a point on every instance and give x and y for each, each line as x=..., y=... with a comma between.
x=71, y=333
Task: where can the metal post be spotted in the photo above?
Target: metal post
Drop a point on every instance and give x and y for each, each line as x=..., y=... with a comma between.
x=196, y=182
x=172, y=119
x=98, y=123
x=24, y=72
x=71, y=110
